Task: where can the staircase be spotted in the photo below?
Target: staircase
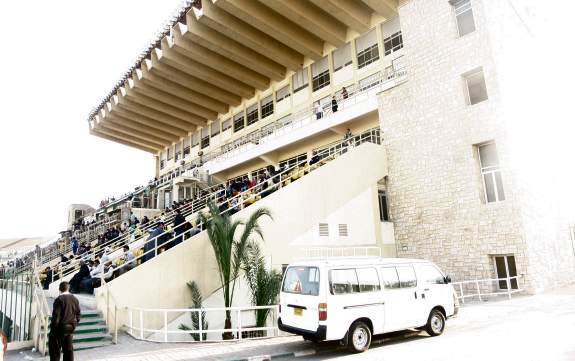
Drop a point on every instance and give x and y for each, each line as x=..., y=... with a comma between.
x=91, y=331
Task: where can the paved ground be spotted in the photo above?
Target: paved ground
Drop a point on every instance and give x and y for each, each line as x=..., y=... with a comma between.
x=525, y=328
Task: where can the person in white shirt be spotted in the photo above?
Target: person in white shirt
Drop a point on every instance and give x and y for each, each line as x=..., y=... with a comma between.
x=318, y=109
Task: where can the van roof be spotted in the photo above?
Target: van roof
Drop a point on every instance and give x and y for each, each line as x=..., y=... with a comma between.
x=356, y=261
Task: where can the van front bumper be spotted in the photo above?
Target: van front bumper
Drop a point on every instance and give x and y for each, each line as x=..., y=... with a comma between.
x=317, y=335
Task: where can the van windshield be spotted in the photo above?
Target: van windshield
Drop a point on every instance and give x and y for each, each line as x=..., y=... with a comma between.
x=302, y=280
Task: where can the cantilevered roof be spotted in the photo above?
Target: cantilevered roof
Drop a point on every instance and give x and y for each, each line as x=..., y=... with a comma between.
x=216, y=54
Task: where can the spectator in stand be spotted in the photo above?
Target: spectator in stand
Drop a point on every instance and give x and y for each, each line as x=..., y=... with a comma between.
x=344, y=94
x=74, y=245
x=145, y=220
x=318, y=110
x=333, y=104
x=77, y=279
x=49, y=278
x=129, y=260
x=180, y=226
x=154, y=238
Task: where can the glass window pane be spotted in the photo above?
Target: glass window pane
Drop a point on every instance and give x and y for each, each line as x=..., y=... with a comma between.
x=429, y=274
x=343, y=281
x=476, y=87
x=488, y=155
x=406, y=276
x=499, y=182
x=283, y=93
x=341, y=57
x=465, y=23
x=501, y=271
x=389, y=277
x=489, y=187
x=303, y=280
x=368, y=280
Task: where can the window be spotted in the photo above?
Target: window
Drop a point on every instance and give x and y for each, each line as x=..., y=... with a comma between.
x=406, y=276
x=393, y=43
x=178, y=152
x=252, y=114
x=382, y=200
x=389, y=277
x=475, y=84
x=288, y=163
x=505, y=267
x=227, y=124
x=267, y=106
x=195, y=139
x=430, y=274
x=343, y=231
x=392, y=38
x=463, y=16
x=323, y=230
x=368, y=280
x=169, y=153
x=320, y=74
x=205, y=138
x=491, y=173
x=301, y=279
x=186, y=146
x=300, y=80
x=342, y=281
x=341, y=57
x=215, y=128
x=367, y=50
x=283, y=93
x=238, y=122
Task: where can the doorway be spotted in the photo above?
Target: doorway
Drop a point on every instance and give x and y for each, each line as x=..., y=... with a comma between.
x=504, y=268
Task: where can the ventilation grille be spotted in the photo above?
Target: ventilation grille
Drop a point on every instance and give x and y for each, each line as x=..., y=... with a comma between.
x=323, y=230
x=343, y=230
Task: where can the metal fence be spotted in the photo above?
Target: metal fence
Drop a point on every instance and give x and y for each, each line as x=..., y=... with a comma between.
x=484, y=288
x=165, y=325
x=16, y=294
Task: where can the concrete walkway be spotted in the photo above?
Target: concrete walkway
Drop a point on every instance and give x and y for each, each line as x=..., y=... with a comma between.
x=507, y=328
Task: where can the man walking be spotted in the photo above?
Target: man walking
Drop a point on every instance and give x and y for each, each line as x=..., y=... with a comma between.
x=65, y=317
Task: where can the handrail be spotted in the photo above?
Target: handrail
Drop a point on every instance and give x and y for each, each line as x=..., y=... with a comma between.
x=509, y=291
x=43, y=310
x=138, y=330
x=252, y=192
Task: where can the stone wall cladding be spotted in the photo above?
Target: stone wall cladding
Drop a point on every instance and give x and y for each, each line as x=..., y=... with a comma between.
x=435, y=193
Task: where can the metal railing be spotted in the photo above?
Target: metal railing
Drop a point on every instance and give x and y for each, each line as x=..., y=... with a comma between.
x=42, y=315
x=335, y=252
x=486, y=288
x=234, y=203
x=142, y=324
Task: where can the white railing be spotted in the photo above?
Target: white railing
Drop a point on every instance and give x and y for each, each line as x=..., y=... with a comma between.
x=163, y=325
x=336, y=252
x=237, y=202
x=486, y=288
x=42, y=315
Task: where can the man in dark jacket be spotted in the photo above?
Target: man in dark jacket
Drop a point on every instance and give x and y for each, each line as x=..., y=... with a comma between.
x=155, y=237
x=180, y=226
x=65, y=317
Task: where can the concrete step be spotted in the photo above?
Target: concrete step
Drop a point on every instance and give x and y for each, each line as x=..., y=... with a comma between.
x=92, y=336
x=90, y=329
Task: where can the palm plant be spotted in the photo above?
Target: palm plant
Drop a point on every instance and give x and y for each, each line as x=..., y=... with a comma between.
x=228, y=250
x=264, y=285
x=196, y=303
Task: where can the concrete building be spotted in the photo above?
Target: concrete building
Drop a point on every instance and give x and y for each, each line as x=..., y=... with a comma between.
x=237, y=88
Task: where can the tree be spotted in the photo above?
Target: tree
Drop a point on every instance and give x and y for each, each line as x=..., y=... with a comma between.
x=264, y=285
x=196, y=303
x=229, y=251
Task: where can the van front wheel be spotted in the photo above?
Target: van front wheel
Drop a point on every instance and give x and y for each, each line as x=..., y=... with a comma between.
x=435, y=323
x=358, y=337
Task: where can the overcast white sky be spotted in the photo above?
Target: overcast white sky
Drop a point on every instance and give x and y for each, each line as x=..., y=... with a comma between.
x=58, y=60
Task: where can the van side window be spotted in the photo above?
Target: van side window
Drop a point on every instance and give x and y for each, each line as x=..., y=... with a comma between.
x=406, y=276
x=430, y=274
x=343, y=281
x=368, y=280
x=389, y=278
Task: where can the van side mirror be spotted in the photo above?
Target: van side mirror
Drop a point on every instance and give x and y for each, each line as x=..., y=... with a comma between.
x=447, y=279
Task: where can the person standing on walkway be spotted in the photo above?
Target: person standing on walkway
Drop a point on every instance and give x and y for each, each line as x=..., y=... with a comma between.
x=65, y=317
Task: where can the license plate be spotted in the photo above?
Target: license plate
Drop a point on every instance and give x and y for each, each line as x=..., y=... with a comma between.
x=297, y=311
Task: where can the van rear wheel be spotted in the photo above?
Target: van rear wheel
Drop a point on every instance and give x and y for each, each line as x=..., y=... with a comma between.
x=358, y=337
x=435, y=323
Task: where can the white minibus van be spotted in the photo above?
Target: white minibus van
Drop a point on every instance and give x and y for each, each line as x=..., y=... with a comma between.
x=351, y=299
